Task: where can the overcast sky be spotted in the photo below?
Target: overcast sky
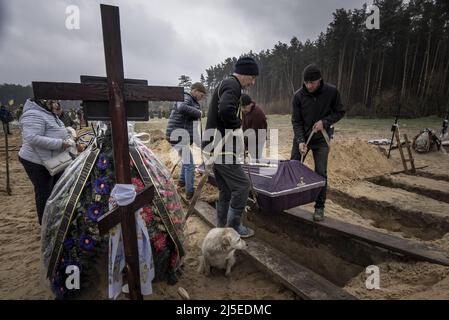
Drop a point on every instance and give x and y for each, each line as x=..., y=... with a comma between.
x=161, y=39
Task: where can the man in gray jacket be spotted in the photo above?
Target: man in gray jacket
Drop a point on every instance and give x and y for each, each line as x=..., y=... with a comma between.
x=182, y=117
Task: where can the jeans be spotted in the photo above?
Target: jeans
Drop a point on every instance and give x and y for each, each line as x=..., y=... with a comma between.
x=187, y=175
x=233, y=186
x=43, y=184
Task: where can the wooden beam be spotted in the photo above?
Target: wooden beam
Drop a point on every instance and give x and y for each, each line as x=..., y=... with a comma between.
x=304, y=282
x=110, y=21
x=112, y=218
x=153, y=93
x=410, y=248
x=70, y=91
x=99, y=92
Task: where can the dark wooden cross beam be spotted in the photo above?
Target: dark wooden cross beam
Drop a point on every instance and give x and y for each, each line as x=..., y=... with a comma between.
x=116, y=92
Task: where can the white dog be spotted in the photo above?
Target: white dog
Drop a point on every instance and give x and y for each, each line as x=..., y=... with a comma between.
x=218, y=250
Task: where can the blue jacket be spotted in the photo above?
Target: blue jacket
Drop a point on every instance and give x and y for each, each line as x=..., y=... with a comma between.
x=182, y=116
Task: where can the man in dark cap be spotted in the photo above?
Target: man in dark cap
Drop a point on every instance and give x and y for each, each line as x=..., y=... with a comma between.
x=224, y=115
x=316, y=107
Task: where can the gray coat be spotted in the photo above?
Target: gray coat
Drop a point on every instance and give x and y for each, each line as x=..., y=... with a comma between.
x=182, y=116
x=42, y=133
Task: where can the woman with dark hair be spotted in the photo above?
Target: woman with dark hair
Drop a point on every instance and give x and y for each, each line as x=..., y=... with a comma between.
x=44, y=136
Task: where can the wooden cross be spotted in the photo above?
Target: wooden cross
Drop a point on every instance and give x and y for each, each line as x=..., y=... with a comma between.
x=117, y=90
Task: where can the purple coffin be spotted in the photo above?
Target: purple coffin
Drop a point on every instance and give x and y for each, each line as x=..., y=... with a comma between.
x=281, y=186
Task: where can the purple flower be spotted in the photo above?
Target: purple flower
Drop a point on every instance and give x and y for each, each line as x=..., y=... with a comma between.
x=58, y=287
x=68, y=244
x=94, y=212
x=86, y=243
x=102, y=162
x=67, y=263
x=101, y=186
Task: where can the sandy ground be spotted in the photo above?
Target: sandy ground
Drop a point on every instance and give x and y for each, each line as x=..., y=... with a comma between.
x=20, y=272
x=351, y=160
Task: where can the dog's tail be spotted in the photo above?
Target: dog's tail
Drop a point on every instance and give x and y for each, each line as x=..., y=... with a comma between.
x=202, y=265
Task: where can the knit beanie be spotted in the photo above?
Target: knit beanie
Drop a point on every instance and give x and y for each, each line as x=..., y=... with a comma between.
x=311, y=73
x=245, y=100
x=246, y=66
x=198, y=86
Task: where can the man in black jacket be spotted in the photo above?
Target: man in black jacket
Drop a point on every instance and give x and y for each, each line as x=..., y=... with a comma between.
x=316, y=107
x=225, y=116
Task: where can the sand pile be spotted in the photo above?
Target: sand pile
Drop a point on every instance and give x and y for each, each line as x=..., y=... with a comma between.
x=349, y=160
x=159, y=145
x=354, y=160
x=420, y=280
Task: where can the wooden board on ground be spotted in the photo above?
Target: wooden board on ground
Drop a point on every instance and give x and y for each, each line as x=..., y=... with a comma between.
x=406, y=247
x=304, y=282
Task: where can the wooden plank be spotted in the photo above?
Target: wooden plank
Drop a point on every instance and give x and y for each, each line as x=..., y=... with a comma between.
x=70, y=91
x=410, y=155
x=304, y=282
x=153, y=93
x=406, y=247
x=398, y=140
x=112, y=218
x=99, y=92
x=110, y=21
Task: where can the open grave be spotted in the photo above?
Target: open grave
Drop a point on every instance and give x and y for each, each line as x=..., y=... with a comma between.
x=398, y=222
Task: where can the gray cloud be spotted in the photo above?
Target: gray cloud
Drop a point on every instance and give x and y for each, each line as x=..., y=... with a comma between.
x=161, y=39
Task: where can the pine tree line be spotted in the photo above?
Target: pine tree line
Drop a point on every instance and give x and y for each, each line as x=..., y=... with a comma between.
x=405, y=62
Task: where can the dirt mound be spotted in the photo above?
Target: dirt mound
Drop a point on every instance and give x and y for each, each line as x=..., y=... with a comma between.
x=354, y=160
x=420, y=280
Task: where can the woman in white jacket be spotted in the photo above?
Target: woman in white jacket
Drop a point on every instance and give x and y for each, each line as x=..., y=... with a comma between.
x=44, y=136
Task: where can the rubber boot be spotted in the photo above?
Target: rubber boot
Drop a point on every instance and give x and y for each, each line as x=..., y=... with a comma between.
x=222, y=213
x=235, y=221
x=318, y=215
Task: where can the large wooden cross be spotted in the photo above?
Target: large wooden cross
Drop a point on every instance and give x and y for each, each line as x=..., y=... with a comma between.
x=117, y=90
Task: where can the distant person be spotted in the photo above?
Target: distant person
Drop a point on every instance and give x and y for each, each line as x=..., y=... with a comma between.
x=5, y=117
x=80, y=115
x=182, y=116
x=224, y=115
x=44, y=136
x=254, y=118
x=316, y=107
x=63, y=116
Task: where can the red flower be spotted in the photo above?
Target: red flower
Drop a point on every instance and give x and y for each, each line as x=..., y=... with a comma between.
x=170, y=206
x=159, y=242
x=176, y=220
x=138, y=184
x=147, y=215
x=173, y=259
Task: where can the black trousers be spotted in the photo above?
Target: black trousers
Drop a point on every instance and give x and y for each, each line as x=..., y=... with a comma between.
x=43, y=184
x=320, y=153
x=233, y=185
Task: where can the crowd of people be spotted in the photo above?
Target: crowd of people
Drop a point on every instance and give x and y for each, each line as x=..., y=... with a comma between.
x=316, y=106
